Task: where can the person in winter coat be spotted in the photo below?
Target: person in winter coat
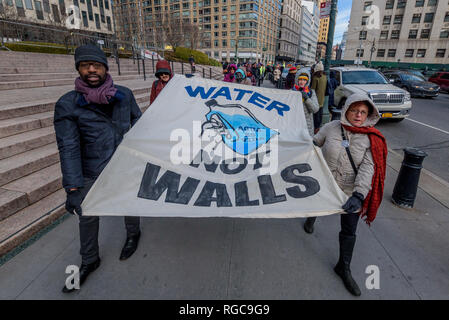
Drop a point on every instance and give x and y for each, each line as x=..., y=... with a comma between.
x=90, y=123
x=163, y=75
x=319, y=83
x=254, y=74
x=240, y=76
x=277, y=75
x=290, y=80
x=229, y=76
x=362, y=179
x=309, y=100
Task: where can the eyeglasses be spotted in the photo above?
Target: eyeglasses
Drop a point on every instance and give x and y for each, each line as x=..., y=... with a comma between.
x=355, y=111
x=86, y=65
x=164, y=74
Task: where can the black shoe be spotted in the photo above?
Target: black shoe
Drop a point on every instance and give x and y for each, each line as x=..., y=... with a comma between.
x=130, y=246
x=348, y=280
x=84, y=271
x=308, y=225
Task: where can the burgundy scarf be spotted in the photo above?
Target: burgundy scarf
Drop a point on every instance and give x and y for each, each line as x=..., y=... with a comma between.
x=379, y=152
x=99, y=95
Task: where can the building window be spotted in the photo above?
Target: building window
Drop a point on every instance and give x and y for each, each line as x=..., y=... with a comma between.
x=425, y=33
x=432, y=3
x=391, y=53
x=416, y=18
x=97, y=21
x=46, y=4
x=440, y=53
x=364, y=20
x=360, y=53
x=85, y=21
x=108, y=21
x=387, y=20
x=367, y=6
x=28, y=4
x=428, y=18
x=401, y=4
x=413, y=34
x=381, y=53
x=421, y=53
x=419, y=3
x=62, y=7
x=446, y=17
x=383, y=35
x=398, y=19
x=102, y=12
x=409, y=53
x=444, y=34
x=39, y=12
x=395, y=34
x=106, y=4
x=390, y=4
x=89, y=10
x=224, y=43
x=362, y=35
x=95, y=2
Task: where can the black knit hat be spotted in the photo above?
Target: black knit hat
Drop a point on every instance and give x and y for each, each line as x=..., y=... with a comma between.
x=90, y=52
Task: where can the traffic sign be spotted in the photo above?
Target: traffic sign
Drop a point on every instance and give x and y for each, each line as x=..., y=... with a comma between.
x=325, y=9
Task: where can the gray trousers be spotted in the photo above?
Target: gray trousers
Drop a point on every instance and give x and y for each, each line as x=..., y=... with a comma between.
x=89, y=226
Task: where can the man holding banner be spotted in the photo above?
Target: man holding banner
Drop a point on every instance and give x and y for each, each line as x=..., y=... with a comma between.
x=90, y=122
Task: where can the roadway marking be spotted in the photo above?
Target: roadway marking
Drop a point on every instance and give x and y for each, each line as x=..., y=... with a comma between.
x=426, y=125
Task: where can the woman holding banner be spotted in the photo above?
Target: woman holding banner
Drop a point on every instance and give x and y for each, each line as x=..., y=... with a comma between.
x=356, y=154
x=309, y=100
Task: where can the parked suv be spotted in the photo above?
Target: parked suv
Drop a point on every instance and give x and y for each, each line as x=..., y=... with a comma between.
x=417, y=86
x=441, y=79
x=392, y=102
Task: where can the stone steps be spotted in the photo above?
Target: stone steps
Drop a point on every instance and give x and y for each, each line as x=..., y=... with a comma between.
x=48, y=76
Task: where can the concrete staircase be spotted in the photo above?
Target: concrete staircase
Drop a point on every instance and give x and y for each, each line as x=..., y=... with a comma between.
x=31, y=194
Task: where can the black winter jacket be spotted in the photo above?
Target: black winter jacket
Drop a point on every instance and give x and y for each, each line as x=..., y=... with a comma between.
x=87, y=137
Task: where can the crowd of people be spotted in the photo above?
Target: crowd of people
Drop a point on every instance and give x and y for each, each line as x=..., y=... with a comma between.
x=91, y=120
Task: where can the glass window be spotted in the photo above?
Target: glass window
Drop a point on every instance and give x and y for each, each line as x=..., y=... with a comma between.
x=28, y=4
x=362, y=35
x=409, y=53
x=444, y=34
x=108, y=21
x=428, y=18
x=97, y=21
x=391, y=53
x=364, y=20
x=413, y=34
x=425, y=33
x=390, y=4
x=432, y=3
x=446, y=17
x=85, y=21
x=360, y=53
x=383, y=35
x=419, y=3
x=89, y=10
x=46, y=6
x=416, y=18
x=398, y=19
x=106, y=4
x=395, y=34
x=62, y=7
x=381, y=53
x=363, y=77
x=55, y=11
x=38, y=7
x=421, y=53
x=367, y=6
x=440, y=53
x=19, y=4
x=387, y=20
x=401, y=4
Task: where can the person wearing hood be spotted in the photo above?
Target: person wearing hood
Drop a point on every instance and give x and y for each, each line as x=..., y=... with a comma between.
x=319, y=83
x=229, y=76
x=309, y=100
x=356, y=154
x=163, y=75
x=240, y=76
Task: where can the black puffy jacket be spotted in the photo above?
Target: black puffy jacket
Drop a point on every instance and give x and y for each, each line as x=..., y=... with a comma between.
x=87, y=137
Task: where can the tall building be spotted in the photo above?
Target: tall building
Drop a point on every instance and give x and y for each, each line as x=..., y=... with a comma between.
x=322, y=36
x=343, y=44
x=310, y=22
x=288, y=42
x=223, y=29
x=93, y=16
x=408, y=31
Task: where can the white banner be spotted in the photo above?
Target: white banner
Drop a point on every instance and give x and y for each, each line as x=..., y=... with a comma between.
x=208, y=148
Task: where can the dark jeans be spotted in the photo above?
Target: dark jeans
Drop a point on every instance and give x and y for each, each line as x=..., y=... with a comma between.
x=318, y=118
x=89, y=226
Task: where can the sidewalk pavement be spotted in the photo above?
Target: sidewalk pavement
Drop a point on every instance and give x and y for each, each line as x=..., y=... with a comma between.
x=224, y=258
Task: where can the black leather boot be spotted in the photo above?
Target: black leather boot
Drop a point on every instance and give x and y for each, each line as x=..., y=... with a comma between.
x=130, y=246
x=84, y=271
x=308, y=225
x=342, y=268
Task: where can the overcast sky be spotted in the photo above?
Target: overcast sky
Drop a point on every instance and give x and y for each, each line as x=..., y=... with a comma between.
x=344, y=12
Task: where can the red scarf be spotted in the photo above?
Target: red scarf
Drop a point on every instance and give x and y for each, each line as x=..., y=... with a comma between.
x=379, y=152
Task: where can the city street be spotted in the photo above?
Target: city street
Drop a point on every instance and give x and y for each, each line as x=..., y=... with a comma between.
x=427, y=128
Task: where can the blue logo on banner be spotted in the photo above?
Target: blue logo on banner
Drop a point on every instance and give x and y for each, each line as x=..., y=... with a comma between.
x=239, y=128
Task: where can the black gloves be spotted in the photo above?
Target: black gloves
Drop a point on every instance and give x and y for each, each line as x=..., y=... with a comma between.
x=73, y=202
x=305, y=96
x=354, y=203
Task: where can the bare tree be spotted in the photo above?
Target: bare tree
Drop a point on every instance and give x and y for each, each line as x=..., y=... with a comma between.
x=193, y=35
x=173, y=31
